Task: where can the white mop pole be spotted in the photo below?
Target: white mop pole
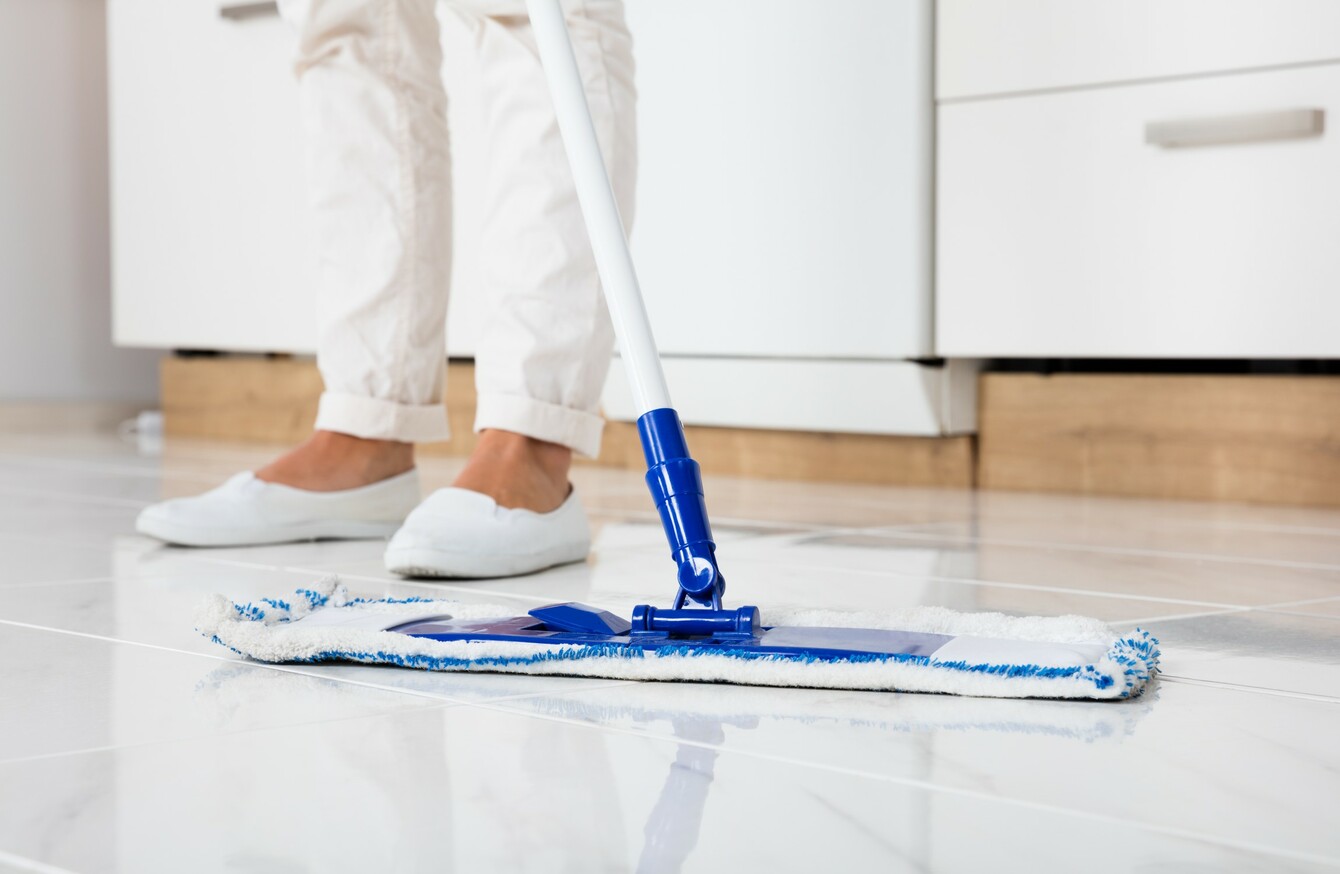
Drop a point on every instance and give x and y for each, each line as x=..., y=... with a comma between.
x=637, y=346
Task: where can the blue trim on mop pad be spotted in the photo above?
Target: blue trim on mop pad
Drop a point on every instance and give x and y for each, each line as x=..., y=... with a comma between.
x=937, y=650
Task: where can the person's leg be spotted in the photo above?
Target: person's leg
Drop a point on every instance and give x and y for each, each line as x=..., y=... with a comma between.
x=378, y=172
x=541, y=362
x=374, y=113
x=545, y=350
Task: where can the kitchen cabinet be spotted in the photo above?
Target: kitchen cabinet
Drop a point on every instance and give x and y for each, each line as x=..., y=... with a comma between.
x=1152, y=179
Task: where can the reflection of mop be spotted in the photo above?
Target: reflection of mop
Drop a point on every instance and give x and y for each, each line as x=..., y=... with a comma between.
x=921, y=649
x=671, y=831
x=699, y=715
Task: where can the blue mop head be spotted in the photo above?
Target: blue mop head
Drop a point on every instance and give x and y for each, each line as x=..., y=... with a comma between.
x=984, y=654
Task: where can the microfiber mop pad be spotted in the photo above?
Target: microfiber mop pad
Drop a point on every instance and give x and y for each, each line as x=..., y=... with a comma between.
x=982, y=654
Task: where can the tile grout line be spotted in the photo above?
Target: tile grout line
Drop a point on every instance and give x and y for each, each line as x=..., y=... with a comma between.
x=438, y=702
x=1036, y=587
x=295, y=570
x=1256, y=690
x=323, y=572
x=23, y=863
x=28, y=461
x=1264, y=527
x=1114, y=550
x=279, y=668
x=88, y=500
x=1258, y=608
x=769, y=525
x=433, y=587
x=418, y=584
x=1303, y=614
x=1195, y=524
x=271, y=666
x=196, y=738
x=29, y=584
x=914, y=527
x=1177, y=617
x=39, y=463
x=1303, y=603
x=301, y=671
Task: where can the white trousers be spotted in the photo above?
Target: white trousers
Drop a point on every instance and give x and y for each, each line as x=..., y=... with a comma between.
x=374, y=112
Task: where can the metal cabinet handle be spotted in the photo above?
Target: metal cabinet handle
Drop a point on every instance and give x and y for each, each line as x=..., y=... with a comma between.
x=1283, y=124
x=242, y=11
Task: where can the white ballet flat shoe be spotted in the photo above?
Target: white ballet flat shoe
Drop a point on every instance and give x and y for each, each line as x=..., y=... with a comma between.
x=246, y=511
x=463, y=534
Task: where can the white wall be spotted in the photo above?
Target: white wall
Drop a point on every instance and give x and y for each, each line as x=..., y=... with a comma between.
x=55, y=299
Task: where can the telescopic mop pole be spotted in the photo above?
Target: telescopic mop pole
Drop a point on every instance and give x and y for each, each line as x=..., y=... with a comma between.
x=673, y=477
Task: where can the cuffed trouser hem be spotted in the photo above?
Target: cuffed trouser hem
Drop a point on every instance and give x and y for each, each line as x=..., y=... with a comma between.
x=577, y=430
x=377, y=419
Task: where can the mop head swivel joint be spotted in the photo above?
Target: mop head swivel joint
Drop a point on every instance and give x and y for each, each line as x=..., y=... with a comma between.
x=676, y=485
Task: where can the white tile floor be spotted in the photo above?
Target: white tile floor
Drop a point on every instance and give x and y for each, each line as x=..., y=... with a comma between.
x=129, y=744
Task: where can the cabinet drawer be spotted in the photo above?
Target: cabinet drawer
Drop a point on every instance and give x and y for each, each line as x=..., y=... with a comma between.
x=1062, y=232
x=988, y=47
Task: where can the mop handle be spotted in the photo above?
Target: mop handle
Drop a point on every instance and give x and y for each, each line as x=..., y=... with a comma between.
x=672, y=476
x=600, y=209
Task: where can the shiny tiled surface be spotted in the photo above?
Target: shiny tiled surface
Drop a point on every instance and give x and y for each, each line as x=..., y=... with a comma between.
x=128, y=743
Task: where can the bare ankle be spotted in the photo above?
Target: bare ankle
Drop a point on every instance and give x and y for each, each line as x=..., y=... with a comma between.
x=330, y=461
x=518, y=471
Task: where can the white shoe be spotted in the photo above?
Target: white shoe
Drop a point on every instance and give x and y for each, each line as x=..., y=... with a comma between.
x=246, y=511
x=460, y=533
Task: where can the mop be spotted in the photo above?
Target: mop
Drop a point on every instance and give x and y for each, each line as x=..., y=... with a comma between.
x=697, y=639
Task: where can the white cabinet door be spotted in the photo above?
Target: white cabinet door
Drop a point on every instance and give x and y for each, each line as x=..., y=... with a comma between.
x=210, y=249
x=211, y=240
x=784, y=184
x=1062, y=232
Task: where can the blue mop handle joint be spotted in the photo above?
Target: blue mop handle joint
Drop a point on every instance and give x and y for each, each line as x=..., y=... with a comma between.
x=676, y=486
x=740, y=622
